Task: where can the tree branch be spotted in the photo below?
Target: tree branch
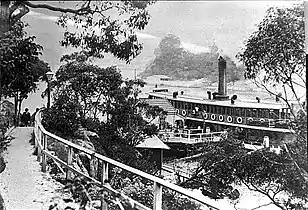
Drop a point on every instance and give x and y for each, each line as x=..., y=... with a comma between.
x=263, y=205
x=255, y=188
x=80, y=11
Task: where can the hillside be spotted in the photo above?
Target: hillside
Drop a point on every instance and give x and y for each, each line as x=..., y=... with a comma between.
x=173, y=60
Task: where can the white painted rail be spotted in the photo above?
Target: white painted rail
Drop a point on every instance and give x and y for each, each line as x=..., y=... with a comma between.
x=41, y=143
x=187, y=136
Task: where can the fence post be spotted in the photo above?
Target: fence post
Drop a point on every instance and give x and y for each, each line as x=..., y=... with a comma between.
x=69, y=162
x=158, y=194
x=35, y=134
x=39, y=136
x=104, y=178
x=44, y=145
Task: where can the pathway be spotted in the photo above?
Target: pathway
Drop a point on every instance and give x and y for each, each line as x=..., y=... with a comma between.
x=22, y=184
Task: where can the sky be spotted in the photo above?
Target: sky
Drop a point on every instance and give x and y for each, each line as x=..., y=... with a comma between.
x=198, y=24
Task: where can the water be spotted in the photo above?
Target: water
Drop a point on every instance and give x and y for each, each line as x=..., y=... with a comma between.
x=35, y=100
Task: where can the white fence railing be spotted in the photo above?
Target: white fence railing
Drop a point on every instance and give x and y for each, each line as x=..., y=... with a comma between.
x=188, y=135
x=43, y=137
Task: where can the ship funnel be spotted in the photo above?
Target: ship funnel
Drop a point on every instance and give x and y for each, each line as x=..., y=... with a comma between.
x=222, y=86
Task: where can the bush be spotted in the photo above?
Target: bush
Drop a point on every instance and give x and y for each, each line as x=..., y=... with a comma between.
x=142, y=191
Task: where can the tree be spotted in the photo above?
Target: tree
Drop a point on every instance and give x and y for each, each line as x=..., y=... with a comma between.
x=94, y=87
x=274, y=55
x=226, y=164
x=101, y=101
x=274, y=58
x=99, y=30
x=20, y=64
x=236, y=74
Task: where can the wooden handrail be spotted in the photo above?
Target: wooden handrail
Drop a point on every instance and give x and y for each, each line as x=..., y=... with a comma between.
x=41, y=134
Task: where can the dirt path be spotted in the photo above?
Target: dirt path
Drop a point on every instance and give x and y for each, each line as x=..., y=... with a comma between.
x=22, y=184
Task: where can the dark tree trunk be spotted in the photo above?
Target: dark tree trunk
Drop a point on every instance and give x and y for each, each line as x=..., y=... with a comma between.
x=19, y=108
x=4, y=16
x=4, y=27
x=16, y=109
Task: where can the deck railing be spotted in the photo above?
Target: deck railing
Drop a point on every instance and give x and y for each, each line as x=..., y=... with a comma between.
x=43, y=137
x=190, y=137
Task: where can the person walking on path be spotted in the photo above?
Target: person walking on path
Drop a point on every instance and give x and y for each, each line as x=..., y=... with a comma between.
x=25, y=118
x=33, y=116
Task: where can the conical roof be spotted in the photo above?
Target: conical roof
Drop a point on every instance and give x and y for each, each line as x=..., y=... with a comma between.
x=153, y=142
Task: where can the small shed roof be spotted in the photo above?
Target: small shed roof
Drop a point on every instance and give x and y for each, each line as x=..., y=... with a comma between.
x=153, y=142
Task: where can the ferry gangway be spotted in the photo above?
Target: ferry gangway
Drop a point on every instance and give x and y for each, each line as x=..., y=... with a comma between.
x=43, y=139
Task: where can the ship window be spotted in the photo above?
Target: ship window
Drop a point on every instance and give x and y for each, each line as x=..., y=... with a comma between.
x=274, y=114
x=254, y=113
x=192, y=106
x=248, y=113
x=261, y=113
x=282, y=114
x=205, y=107
x=228, y=111
x=188, y=106
x=223, y=110
x=214, y=109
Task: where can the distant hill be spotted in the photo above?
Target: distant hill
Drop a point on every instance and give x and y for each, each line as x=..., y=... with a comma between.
x=174, y=61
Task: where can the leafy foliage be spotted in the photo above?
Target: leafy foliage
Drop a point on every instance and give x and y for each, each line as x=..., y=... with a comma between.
x=172, y=60
x=226, y=163
x=100, y=32
x=141, y=191
x=20, y=65
x=274, y=58
x=94, y=88
x=100, y=100
x=62, y=117
x=274, y=54
x=100, y=26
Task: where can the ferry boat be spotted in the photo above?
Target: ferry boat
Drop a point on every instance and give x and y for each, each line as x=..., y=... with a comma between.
x=257, y=120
